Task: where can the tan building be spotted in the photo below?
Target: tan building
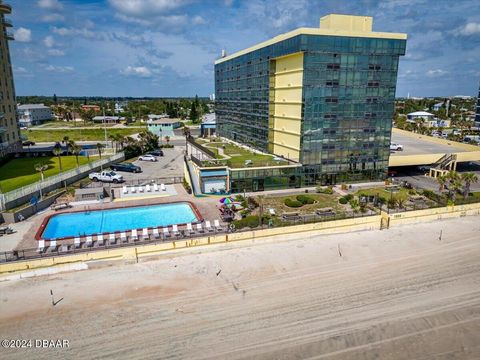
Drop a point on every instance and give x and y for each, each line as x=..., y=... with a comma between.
x=9, y=133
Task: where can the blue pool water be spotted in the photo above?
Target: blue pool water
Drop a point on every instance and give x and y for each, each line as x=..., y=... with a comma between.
x=105, y=221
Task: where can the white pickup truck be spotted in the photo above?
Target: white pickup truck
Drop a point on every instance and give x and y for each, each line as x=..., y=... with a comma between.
x=106, y=176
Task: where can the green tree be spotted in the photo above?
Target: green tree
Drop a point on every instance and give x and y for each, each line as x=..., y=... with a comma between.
x=441, y=180
x=100, y=147
x=468, y=179
x=57, y=151
x=167, y=139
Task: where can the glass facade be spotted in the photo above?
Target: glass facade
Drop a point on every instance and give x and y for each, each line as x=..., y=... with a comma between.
x=347, y=103
x=477, y=116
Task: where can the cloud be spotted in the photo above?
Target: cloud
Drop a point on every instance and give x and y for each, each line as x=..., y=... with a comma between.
x=59, y=69
x=146, y=8
x=50, y=4
x=82, y=32
x=49, y=41
x=55, y=52
x=436, y=72
x=471, y=28
x=140, y=71
x=19, y=70
x=23, y=35
x=53, y=18
x=198, y=20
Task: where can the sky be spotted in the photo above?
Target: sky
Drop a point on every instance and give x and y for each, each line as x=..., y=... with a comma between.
x=163, y=48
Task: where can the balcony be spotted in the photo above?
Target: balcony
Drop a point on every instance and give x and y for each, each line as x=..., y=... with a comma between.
x=3, y=145
x=2, y=129
x=7, y=22
x=9, y=35
x=5, y=9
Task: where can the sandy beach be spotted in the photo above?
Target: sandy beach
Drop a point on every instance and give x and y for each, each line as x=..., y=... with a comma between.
x=403, y=293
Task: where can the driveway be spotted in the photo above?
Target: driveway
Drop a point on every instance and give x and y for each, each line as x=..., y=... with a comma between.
x=168, y=166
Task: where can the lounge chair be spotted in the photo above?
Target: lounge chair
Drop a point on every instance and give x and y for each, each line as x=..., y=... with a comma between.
x=155, y=187
x=166, y=232
x=199, y=228
x=123, y=237
x=53, y=245
x=190, y=229
x=134, y=235
x=41, y=246
x=63, y=248
x=140, y=189
x=217, y=225
x=156, y=234
x=133, y=189
x=125, y=190
x=100, y=240
x=76, y=242
x=162, y=187
x=175, y=230
x=145, y=235
x=148, y=188
x=208, y=226
x=112, y=239
x=88, y=241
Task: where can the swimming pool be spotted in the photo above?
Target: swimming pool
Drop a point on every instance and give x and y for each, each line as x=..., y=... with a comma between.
x=113, y=220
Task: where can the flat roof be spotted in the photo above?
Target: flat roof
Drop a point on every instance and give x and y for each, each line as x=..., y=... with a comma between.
x=418, y=146
x=340, y=25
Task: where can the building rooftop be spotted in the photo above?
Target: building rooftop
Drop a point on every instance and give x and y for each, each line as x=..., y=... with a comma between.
x=330, y=25
x=420, y=113
x=32, y=106
x=163, y=121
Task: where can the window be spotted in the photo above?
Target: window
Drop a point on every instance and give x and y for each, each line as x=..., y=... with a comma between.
x=373, y=84
x=332, y=83
x=331, y=100
x=374, y=67
x=333, y=66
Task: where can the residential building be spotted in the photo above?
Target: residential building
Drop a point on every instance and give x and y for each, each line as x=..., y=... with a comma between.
x=95, y=108
x=437, y=106
x=208, y=126
x=163, y=127
x=152, y=117
x=323, y=97
x=423, y=115
x=9, y=132
x=107, y=119
x=33, y=114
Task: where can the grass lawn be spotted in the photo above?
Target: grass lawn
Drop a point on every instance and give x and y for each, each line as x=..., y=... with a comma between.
x=20, y=172
x=323, y=201
x=75, y=134
x=402, y=193
x=70, y=124
x=239, y=155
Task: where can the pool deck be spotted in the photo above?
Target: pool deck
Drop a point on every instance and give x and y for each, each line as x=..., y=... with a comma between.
x=207, y=206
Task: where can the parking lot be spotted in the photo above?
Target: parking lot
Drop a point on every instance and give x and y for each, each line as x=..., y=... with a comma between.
x=416, y=146
x=168, y=166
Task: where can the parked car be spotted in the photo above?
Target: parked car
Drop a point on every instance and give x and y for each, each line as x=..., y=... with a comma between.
x=396, y=147
x=156, y=153
x=125, y=167
x=106, y=176
x=424, y=168
x=28, y=143
x=147, y=157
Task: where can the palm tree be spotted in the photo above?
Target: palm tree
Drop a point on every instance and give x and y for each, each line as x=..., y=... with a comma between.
x=65, y=139
x=76, y=149
x=167, y=139
x=57, y=151
x=41, y=167
x=100, y=146
x=441, y=179
x=468, y=179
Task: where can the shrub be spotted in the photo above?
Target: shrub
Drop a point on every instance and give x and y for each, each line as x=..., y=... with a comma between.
x=412, y=192
x=252, y=202
x=166, y=146
x=381, y=200
x=249, y=221
x=186, y=185
x=348, y=197
x=292, y=203
x=343, y=200
x=239, y=198
x=328, y=190
x=304, y=199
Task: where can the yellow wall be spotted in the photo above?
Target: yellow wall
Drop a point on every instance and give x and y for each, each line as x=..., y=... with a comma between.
x=286, y=106
x=328, y=227
x=347, y=23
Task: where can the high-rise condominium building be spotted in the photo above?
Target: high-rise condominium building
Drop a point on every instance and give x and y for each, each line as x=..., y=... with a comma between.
x=323, y=97
x=9, y=133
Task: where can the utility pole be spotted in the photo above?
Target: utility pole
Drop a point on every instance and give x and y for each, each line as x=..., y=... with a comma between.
x=105, y=125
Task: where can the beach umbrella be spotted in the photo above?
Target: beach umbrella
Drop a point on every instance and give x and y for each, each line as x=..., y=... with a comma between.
x=226, y=200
